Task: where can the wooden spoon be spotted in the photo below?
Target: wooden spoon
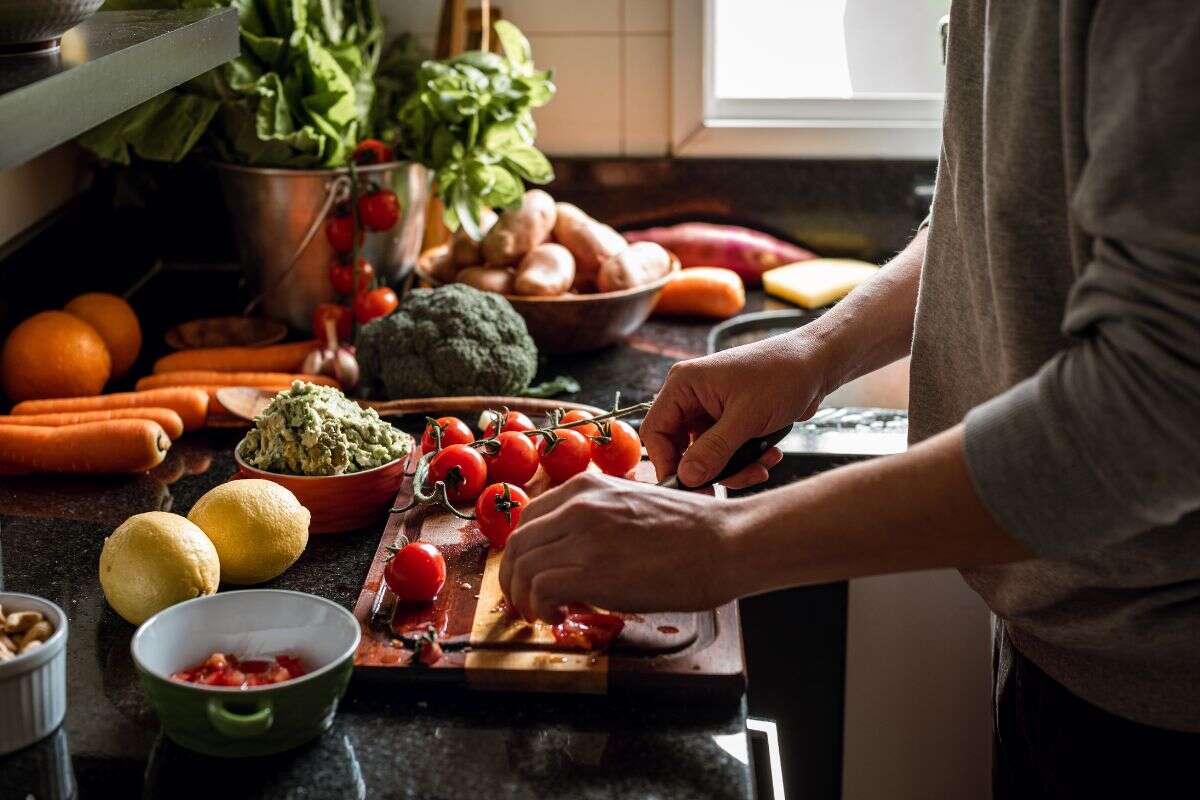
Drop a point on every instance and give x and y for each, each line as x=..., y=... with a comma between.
x=247, y=403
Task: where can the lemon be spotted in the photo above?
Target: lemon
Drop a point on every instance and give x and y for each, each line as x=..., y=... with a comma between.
x=155, y=560
x=258, y=527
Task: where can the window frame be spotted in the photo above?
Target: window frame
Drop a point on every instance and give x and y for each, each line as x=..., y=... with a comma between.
x=906, y=126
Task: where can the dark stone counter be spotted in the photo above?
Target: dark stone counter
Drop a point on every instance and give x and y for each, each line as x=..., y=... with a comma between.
x=395, y=745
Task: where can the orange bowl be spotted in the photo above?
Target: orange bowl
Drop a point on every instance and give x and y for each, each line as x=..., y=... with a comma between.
x=338, y=503
x=575, y=323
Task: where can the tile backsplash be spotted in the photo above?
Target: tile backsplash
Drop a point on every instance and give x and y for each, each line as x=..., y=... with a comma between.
x=611, y=61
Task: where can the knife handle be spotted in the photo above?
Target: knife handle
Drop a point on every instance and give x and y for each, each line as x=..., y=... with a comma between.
x=743, y=457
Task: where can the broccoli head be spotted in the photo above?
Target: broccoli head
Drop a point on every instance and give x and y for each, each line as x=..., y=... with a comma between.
x=453, y=340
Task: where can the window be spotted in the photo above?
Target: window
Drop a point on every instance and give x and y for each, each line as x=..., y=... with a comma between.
x=830, y=78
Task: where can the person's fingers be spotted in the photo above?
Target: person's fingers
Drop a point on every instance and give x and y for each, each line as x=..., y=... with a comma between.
x=557, y=555
x=664, y=431
x=711, y=450
x=551, y=590
x=555, y=497
x=757, y=472
x=531, y=534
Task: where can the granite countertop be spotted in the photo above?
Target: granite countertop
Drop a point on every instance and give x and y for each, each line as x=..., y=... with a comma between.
x=394, y=745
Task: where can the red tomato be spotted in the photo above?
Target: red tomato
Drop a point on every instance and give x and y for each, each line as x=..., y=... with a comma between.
x=576, y=415
x=375, y=303
x=340, y=233
x=568, y=455
x=347, y=280
x=618, y=452
x=454, y=431
x=587, y=629
x=516, y=460
x=513, y=421
x=343, y=319
x=372, y=151
x=415, y=572
x=379, y=210
x=498, y=511
x=462, y=469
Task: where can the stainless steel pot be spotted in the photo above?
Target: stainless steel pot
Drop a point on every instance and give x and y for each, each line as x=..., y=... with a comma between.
x=278, y=216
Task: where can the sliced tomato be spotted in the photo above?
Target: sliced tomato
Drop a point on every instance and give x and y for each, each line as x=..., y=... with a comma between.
x=584, y=628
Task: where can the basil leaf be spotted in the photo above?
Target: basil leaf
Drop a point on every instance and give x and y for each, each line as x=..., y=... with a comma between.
x=513, y=42
x=529, y=163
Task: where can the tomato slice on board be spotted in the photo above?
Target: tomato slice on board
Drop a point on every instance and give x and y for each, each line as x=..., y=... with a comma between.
x=584, y=628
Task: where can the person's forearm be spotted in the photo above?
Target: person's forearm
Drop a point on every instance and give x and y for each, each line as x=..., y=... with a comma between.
x=916, y=510
x=873, y=325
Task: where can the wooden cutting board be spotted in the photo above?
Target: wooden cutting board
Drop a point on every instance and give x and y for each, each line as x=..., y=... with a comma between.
x=681, y=653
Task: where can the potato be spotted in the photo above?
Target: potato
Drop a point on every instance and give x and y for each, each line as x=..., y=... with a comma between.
x=464, y=251
x=638, y=264
x=591, y=242
x=520, y=230
x=443, y=269
x=546, y=271
x=487, y=279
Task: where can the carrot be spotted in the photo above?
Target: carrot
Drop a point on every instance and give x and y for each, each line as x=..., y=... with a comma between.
x=189, y=403
x=168, y=419
x=272, y=358
x=211, y=378
x=702, y=292
x=118, y=445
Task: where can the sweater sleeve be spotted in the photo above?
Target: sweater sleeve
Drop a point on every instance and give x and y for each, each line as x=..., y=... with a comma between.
x=1103, y=442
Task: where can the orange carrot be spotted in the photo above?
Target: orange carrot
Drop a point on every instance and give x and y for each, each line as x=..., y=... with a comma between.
x=118, y=445
x=211, y=378
x=168, y=419
x=713, y=292
x=190, y=404
x=272, y=358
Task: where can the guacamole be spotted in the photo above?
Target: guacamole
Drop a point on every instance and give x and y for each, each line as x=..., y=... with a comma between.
x=315, y=430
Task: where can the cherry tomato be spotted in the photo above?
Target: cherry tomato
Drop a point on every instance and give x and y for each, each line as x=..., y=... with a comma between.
x=372, y=151
x=454, y=431
x=568, y=455
x=498, y=511
x=379, y=210
x=462, y=469
x=375, y=303
x=342, y=318
x=516, y=460
x=576, y=415
x=513, y=421
x=415, y=572
x=340, y=233
x=347, y=280
x=618, y=452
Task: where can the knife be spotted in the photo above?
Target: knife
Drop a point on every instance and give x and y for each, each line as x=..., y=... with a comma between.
x=743, y=457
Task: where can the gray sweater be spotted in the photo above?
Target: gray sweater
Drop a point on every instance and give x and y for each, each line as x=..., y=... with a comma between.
x=1059, y=312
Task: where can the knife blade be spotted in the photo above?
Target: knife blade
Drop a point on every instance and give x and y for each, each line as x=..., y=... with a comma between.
x=743, y=457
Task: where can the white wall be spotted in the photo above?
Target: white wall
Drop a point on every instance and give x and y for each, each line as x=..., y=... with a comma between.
x=611, y=61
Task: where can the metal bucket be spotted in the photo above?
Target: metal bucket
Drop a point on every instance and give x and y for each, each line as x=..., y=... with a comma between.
x=274, y=211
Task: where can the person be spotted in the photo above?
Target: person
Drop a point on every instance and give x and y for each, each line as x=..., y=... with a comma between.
x=1052, y=310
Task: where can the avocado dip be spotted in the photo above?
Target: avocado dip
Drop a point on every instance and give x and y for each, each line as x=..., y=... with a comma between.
x=315, y=430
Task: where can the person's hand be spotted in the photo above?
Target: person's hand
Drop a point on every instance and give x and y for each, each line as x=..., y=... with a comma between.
x=727, y=398
x=620, y=545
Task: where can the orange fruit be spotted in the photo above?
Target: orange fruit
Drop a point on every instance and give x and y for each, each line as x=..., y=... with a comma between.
x=116, y=323
x=54, y=354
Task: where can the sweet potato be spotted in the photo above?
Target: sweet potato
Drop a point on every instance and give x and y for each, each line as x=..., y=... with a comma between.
x=637, y=265
x=591, y=242
x=442, y=268
x=547, y=270
x=487, y=279
x=713, y=292
x=271, y=358
x=519, y=230
x=464, y=251
x=747, y=252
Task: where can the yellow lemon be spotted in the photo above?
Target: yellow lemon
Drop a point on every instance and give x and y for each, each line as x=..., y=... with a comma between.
x=258, y=527
x=155, y=560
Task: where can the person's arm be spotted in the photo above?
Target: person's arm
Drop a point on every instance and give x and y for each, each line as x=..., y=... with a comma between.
x=728, y=397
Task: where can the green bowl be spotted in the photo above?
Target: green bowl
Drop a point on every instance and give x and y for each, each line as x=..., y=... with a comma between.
x=223, y=721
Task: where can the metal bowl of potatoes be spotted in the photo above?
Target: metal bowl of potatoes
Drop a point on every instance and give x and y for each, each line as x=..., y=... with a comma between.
x=571, y=322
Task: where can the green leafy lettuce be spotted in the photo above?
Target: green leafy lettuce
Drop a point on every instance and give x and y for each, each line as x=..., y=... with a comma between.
x=470, y=121
x=299, y=95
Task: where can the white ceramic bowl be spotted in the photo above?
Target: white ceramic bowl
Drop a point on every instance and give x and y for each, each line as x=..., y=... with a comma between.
x=224, y=721
x=33, y=687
